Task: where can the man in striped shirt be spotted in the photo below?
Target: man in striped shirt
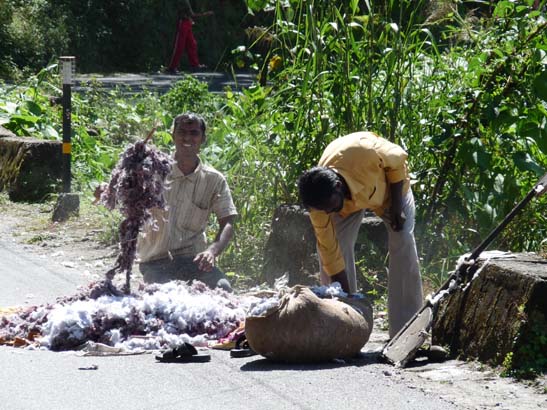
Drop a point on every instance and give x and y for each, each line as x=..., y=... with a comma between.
x=175, y=246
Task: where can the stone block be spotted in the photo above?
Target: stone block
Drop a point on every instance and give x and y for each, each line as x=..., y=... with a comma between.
x=503, y=310
x=68, y=204
x=30, y=168
x=290, y=247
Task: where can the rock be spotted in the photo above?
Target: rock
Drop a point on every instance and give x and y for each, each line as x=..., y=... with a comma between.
x=372, y=235
x=30, y=168
x=68, y=204
x=291, y=245
x=503, y=310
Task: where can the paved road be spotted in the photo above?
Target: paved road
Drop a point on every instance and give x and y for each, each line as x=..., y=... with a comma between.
x=161, y=83
x=49, y=380
x=40, y=379
x=28, y=278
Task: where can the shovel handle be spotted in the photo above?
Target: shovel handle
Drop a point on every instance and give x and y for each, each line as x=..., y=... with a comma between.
x=539, y=189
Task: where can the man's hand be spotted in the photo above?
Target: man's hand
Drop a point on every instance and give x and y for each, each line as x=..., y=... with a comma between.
x=398, y=219
x=205, y=261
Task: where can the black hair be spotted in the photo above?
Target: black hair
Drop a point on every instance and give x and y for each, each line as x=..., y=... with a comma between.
x=316, y=186
x=190, y=118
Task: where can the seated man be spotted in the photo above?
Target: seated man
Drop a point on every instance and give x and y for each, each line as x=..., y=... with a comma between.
x=176, y=247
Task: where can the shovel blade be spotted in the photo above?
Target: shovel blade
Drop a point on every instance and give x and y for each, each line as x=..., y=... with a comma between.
x=404, y=345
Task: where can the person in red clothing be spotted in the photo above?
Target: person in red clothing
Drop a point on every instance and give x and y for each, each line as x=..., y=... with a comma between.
x=185, y=39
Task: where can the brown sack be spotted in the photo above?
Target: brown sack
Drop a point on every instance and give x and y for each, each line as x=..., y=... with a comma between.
x=305, y=328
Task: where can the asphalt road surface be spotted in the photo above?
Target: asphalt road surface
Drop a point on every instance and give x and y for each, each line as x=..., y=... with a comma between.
x=44, y=380
x=38, y=379
x=217, y=82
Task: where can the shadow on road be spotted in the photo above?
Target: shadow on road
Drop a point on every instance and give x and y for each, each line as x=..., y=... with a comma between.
x=265, y=365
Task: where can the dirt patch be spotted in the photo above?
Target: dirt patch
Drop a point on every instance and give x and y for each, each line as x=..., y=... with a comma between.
x=86, y=242
x=469, y=385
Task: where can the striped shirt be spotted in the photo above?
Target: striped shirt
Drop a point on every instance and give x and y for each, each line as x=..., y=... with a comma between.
x=180, y=230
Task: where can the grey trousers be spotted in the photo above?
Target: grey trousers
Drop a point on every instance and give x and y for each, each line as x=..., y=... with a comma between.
x=405, y=295
x=182, y=268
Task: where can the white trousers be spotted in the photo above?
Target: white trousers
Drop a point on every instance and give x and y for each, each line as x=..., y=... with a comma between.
x=405, y=295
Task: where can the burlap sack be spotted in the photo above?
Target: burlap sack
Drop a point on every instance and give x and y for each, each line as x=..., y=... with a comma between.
x=305, y=328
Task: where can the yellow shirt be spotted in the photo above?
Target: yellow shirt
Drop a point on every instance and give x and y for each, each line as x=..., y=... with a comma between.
x=368, y=163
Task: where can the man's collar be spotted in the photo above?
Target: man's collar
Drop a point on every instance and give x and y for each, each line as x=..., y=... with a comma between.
x=177, y=173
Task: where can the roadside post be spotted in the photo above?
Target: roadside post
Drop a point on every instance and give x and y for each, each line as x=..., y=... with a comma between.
x=68, y=203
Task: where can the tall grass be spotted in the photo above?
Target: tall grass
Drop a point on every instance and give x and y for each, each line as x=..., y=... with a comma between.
x=465, y=95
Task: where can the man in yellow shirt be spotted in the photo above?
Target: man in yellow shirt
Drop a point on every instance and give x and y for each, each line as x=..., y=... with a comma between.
x=357, y=172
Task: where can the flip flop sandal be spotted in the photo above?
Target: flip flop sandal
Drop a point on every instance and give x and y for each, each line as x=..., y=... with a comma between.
x=242, y=348
x=185, y=353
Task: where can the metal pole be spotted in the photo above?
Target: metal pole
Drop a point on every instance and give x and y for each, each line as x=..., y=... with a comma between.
x=68, y=68
x=68, y=204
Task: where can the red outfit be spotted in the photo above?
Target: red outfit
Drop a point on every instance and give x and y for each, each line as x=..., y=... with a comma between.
x=185, y=40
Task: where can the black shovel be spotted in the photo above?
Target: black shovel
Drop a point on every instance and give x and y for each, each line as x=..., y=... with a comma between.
x=403, y=346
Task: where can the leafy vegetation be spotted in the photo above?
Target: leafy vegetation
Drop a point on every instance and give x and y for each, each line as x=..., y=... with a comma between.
x=529, y=359
x=462, y=87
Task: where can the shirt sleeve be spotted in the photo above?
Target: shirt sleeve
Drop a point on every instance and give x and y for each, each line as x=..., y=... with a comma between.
x=394, y=160
x=223, y=204
x=327, y=243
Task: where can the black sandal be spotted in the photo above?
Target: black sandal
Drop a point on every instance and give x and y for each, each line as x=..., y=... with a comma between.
x=242, y=348
x=185, y=353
